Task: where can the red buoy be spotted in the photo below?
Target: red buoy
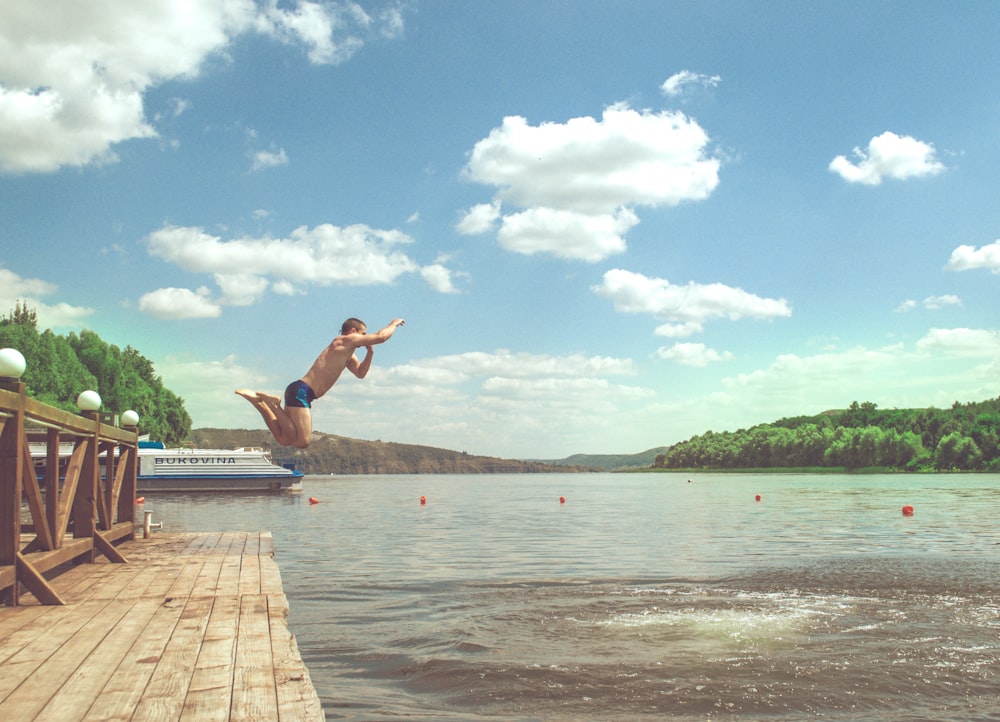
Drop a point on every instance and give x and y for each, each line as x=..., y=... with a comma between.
x=757, y=498
x=562, y=499
x=423, y=500
x=907, y=510
x=313, y=500
x=140, y=500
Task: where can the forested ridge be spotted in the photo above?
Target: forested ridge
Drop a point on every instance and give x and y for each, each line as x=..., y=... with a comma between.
x=60, y=367
x=962, y=438
x=329, y=454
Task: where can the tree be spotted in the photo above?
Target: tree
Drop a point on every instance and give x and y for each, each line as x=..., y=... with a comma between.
x=60, y=367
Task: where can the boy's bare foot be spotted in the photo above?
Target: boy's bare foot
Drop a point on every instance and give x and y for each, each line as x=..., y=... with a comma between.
x=258, y=397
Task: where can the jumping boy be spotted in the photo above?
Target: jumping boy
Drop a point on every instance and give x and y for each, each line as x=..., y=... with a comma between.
x=292, y=425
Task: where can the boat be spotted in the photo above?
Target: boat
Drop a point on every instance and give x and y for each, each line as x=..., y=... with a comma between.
x=244, y=469
x=248, y=468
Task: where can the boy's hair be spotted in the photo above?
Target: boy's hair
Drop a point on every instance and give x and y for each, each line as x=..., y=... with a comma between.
x=350, y=323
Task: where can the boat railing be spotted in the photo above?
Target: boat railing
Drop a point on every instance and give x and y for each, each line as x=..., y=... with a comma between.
x=73, y=511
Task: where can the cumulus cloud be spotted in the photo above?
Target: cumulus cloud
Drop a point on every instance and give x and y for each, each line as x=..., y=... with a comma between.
x=931, y=303
x=245, y=268
x=30, y=291
x=678, y=83
x=179, y=303
x=439, y=278
x=72, y=89
x=888, y=156
x=576, y=183
x=481, y=218
x=269, y=159
x=966, y=258
x=692, y=354
x=567, y=234
x=689, y=305
x=961, y=342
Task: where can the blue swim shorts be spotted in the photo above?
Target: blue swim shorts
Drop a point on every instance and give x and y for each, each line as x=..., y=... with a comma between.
x=299, y=394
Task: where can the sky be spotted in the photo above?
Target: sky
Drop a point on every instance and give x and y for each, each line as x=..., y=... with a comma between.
x=609, y=226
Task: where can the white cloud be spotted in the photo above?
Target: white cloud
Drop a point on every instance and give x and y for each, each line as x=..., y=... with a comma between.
x=179, y=303
x=692, y=354
x=679, y=330
x=14, y=289
x=207, y=389
x=481, y=218
x=678, y=83
x=931, y=303
x=965, y=258
x=968, y=342
x=481, y=397
x=566, y=234
x=244, y=268
x=693, y=303
x=269, y=159
x=888, y=156
x=504, y=363
x=586, y=174
x=73, y=75
x=439, y=278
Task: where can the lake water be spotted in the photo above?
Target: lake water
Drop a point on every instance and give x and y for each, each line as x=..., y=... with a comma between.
x=643, y=596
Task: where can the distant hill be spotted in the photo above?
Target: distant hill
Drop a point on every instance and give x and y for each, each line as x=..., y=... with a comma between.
x=612, y=462
x=329, y=454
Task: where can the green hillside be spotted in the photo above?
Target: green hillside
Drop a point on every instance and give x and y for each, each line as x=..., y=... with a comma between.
x=965, y=437
x=612, y=462
x=329, y=454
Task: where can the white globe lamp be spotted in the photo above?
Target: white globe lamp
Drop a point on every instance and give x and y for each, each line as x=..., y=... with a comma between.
x=88, y=401
x=130, y=418
x=12, y=363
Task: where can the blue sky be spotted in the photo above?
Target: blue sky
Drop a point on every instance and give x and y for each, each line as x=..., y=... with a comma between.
x=609, y=226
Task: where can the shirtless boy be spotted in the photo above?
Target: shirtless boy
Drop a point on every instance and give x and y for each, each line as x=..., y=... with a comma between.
x=292, y=425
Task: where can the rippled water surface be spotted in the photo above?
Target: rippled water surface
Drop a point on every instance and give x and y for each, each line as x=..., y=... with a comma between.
x=641, y=596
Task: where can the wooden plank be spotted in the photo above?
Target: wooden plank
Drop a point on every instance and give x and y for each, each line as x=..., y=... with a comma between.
x=70, y=484
x=254, y=694
x=124, y=650
x=119, y=698
x=181, y=581
x=69, y=550
x=266, y=544
x=108, y=549
x=249, y=582
x=8, y=575
x=270, y=577
x=210, y=693
x=162, y=700
x=51, y=661
x=81, y=689
x=207, y=582
x=18, y=628
x=32, y=579
x=36, y=504
x=297, y=698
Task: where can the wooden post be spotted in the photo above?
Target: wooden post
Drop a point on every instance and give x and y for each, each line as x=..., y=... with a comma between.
x=52, y=486
x=126, y=500
x=85, y=501
x=11, y=468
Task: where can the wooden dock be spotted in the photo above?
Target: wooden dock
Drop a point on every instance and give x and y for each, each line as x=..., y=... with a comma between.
x=193, y=627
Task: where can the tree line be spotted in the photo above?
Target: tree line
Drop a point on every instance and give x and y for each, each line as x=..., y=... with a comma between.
x=60, y=367
x=965, y=437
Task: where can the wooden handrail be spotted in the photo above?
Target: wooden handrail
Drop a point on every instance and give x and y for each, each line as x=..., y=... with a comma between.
x=97, y=508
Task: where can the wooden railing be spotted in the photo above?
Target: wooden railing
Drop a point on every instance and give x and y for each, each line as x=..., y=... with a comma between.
x=80, y=508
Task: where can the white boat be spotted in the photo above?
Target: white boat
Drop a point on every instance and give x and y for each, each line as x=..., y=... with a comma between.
x=248, y=468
